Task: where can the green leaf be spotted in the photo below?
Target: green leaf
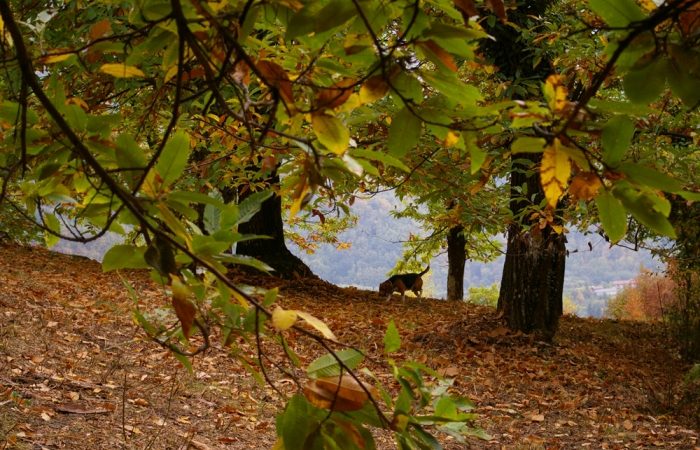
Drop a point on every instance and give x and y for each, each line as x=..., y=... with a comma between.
x=612, y=216
x=528, y=144
x=647, y=176
x=382, y=157
x=645, y=85
x=611, y=106
x=51, y=222
x=296, y=422
x=392, y=340
x=251, y=205
x=173, y=159
x=331, y=132
x=129, y=154
x=646, y=209
x=243, y=260
x=404, y=133
x=683, y=70
x=616, y=139
x=124, y=257
x=327, y=366
x=617, y=13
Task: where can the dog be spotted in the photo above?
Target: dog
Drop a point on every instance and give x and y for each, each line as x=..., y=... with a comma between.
x=402, y=283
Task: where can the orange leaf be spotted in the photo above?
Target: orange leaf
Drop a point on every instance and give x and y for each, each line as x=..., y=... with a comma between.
x=439, y=53
x=340, y=393
x=276, y=77
x=184, y=309
x=689, y=20
x=100, y=29
x=585, y=185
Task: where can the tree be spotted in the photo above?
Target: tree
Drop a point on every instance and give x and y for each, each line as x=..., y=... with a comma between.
x=105, y=106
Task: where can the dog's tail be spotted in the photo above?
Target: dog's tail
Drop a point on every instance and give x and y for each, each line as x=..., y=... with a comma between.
x=424, y=272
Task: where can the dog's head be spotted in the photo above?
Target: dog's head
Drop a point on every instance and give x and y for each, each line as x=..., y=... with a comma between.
x=386, y=288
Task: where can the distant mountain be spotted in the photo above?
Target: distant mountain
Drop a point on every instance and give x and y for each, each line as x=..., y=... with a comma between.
x=376, y=246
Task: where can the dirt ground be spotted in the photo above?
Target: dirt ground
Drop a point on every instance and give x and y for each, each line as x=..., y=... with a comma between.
x=77, y=373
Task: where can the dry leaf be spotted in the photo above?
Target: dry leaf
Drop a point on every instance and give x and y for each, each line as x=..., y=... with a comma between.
x=184, y=309
x=537, y=417
x=100, y=29
x=373, y=89
x=341, y=394
x=336, y=95
x=585, y=185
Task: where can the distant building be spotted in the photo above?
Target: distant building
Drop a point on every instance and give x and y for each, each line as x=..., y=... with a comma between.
x=611, y=289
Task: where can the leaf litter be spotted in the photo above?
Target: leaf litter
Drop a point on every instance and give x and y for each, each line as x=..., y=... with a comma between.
x=76, y=372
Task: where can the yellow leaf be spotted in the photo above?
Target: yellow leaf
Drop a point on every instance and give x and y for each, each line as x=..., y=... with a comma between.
x=555, y=170
x=316, y=323
x=283, y=319
x=122, y=70
x=298, y=200
x=170, y=73
x=555, y=92
x=55, y=58
x=331, y=132
x=451, y=139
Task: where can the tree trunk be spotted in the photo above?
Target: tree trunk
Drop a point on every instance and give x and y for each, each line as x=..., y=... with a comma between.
x=456, y=257
x=531, y=296
x=532, y=286
x=272, y=251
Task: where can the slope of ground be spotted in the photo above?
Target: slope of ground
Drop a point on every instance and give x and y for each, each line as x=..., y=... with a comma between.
x=76, y=373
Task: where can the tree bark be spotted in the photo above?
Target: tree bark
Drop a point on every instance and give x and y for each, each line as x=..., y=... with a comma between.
x=532, y=285
x=272, y=251
x=456, y=257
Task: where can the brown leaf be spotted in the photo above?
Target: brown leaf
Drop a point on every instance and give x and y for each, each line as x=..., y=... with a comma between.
x=467, y=7
x=537, y=417
x=341, y=394
x=373, y=89
x=689, y=20
x=498, y=8
x=100, y=29
x=585, y=185
x=336, y=95
x=276, y=77
x=84, y=408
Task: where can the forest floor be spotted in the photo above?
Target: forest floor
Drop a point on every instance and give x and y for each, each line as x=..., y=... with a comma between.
x=77, y=373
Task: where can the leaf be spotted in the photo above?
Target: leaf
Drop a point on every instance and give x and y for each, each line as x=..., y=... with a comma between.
x=52, y=223
x=528, y=144
x=644, y=85
x=336, y=393
x=55, y=58
x=468, y=7
x=498, y=8
x=251, y=205
x=124, y=257
x=336, y=95
x=612, y=215
x=173, y=159
x=327, y=366
x=437, y=54
x=616, y=138
x=404, y=133
x=331, y=132
x=392, y=340
x=585, y=186
x=317, y=324
x=276, y=77
x=382, y=157
x=373, y=89
x=296, y=422
x=122, y=71
x=555, y=170
x=100, y=29
x=184, y=309
x=617, y=13
x=648, y=176
x=283, y=319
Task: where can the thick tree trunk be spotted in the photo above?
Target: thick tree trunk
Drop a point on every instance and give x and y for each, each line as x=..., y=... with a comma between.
x=533, y=281
x=532, y=286
x=272, y=251
x=456, y=257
